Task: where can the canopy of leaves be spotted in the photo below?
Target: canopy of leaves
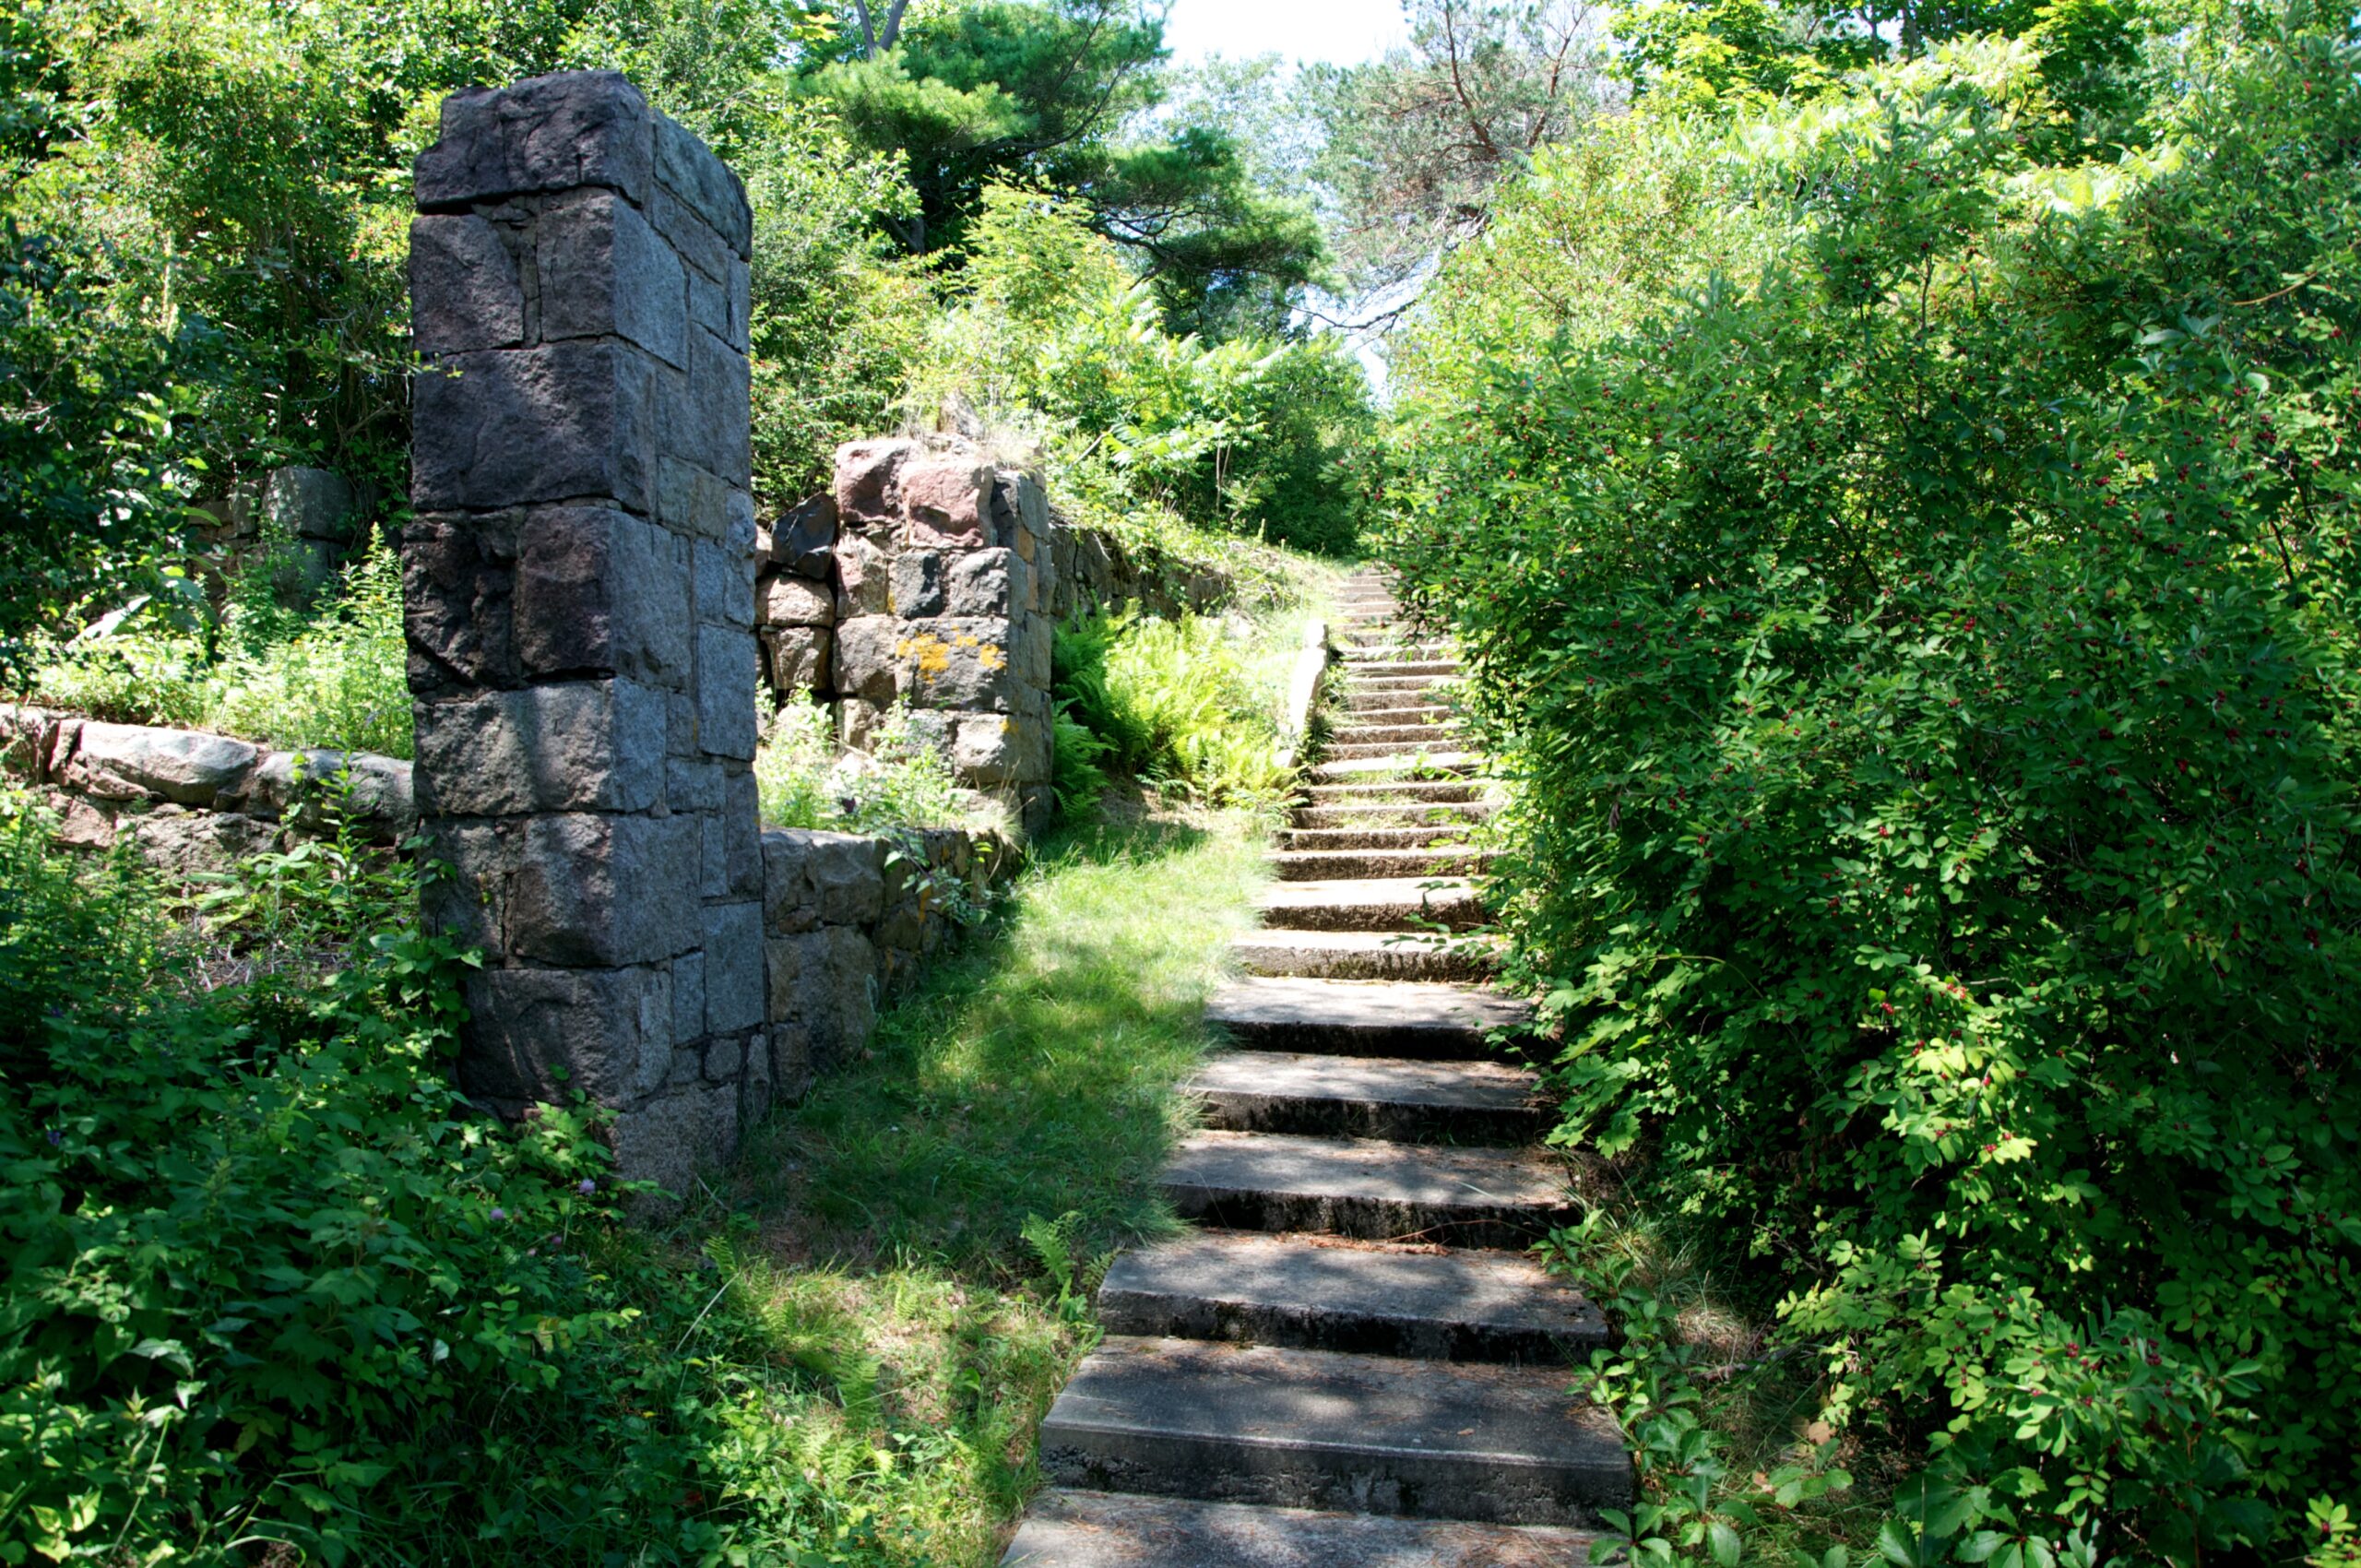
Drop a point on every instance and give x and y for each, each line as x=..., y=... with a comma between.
x=1914, y=583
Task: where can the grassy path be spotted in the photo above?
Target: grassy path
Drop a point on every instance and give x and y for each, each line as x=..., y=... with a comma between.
x=877, y=1232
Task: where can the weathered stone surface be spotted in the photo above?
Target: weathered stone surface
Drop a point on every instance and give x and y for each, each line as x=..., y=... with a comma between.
x=792, y=1066
x=863, y=580
x=812, y=878
x=804, y=536
x=690, y=169
x=562, y=423
x=944, y=501
x=858, y=721
x=688, y=998
x=373, y=788
x=27, y=735
x=917, y=584
x=826, y=981
x=868, y=657
x=605, y=270
x=869, y=481
x=980, y=584
x=725, y=581
x=1033, y=647
x=741, y=821
x=464, y=286
x=786, y=600
x=295, y=505
x=735, y=987
x=129, y=762
x=541, y=1033
x=691, y=499
x=958, y=663
x=459, y=602
x=728, y=665
x=669, y=1139
x=184, y=843
x=801, y=656
x=985, y=751
x=605, y=889
x=546, y=133
x=717, y=429
x=598, y=591
x=585, y=745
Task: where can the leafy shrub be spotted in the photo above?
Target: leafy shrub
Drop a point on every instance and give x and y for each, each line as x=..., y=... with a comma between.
x=1917, y=592
x=902, y=780
x=335, y=679
x=1175, y=703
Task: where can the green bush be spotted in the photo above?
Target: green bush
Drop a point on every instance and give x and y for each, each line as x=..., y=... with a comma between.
x=265, y=1277
x=1915, y=588
x=901, y=781
x=1181, y=704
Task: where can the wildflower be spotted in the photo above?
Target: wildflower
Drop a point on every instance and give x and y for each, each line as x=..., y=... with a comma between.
x=56, y=1137
x=586, y=1186
x=498, y=1215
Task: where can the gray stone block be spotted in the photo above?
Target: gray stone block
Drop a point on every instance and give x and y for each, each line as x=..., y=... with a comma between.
x=980, y=584
x=863, y=578
x=792, y=1069
x=465, y=291
x=373, y=789
x=691, y=500
x=568, y=421
x=916, y=584
x=985, y=749
x=457, y=603
x=715, y=427
x=604, y=271
x=467, y=898
x=734, y=973
x=188, y=843
x=812, y=878
x=707, y=254
x=1034, y=650
x=671, y=1139
x=868, y=659
x=605, y=890
x=725, y=579
x=800, y=658
x=782, y=600
x=542, y=1034
x=588, y=746
x=693, y=785
x=824, y=982
x=690, y=170
x=133, y=762
x=688, y=998
x=545, y=134
x=742, y=821
x=959, y=662
x=596, y=591
x=713, y=858
x=727, y=667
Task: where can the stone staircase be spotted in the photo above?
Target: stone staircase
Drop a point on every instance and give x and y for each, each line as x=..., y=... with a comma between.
x=1353, y=1362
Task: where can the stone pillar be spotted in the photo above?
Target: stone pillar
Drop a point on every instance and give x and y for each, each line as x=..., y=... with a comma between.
x=579, y=584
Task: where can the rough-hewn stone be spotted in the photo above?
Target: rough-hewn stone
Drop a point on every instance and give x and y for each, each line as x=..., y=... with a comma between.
x=130, y=761
x=547, y=134
x=610, y=273
x=801, y=657
x=465, y=282
x=804, y=537
x=944, y=501
x=869, y=481
x=782, y=600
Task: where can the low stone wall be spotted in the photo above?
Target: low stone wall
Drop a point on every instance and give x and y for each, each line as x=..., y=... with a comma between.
x=931, y=577
x=848, y=919
x=192, y=801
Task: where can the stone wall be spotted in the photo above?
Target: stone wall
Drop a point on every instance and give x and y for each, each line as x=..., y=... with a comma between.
x=192, y=803
x=579, y=594
x=931, y=578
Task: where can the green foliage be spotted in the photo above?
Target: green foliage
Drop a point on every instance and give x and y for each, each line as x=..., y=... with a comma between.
x=1915, y=588
x=1055, y=338
x=902, y=779
x=1181, y=704
x=335, y=680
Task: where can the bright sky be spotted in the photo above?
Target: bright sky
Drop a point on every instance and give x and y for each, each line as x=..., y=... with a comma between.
x=1342, y=32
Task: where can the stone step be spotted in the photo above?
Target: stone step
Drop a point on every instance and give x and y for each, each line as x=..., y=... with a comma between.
x=1371, y=904
x=1361, y=955
x=1404, y=1101
x=1434, y=1023
x=1428, y=1303
x=1354, y=865
x=1421, y=648
x=1424, y=836
x=1407, y=734
x=1448, y=815
x=1407, y=764
x=1310, y=1429
x=1416, y=745
x=1377, y=702
x=1096, y=1529
x=1412, y=792
x=1403, y=668
x=1368, y=1189
x=1421, y=713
